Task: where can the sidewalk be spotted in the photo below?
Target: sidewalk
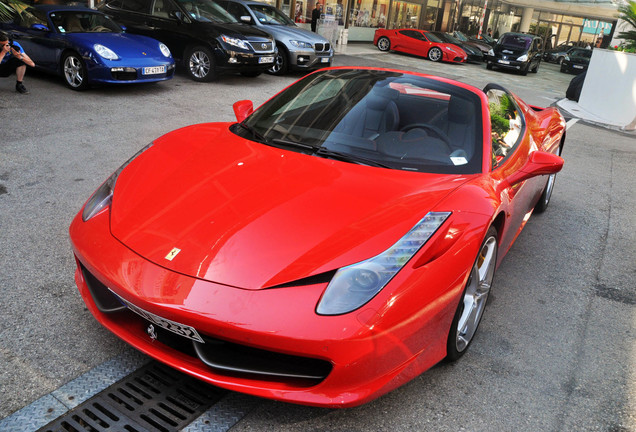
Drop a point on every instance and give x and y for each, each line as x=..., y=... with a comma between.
x=575, y=110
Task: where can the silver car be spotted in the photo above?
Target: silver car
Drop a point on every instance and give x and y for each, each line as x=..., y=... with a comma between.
x=297, y=48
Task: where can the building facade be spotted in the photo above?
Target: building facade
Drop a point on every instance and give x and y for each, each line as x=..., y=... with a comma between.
x=573, y=22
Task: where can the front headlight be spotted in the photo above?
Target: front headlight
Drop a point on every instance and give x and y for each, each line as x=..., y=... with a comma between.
x=491, y=52
x=105, y=52
x=103, y=196
x=240, y=43
x=354, y=285
x=164, y=50
x=523, y=58
x=300, y=44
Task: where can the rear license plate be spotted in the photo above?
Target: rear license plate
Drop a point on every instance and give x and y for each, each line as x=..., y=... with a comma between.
x=324, y=60
x=266, y=60
x=504, y=62
x=173, y=326
x=578, y=67
x=154, y=70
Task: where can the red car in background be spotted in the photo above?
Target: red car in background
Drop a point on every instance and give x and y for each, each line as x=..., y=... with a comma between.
x=419, y=43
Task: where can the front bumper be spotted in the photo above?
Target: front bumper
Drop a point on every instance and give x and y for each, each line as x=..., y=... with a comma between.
x=351, y=358
x=238, y=61
x=508, y=64
x=112, y=72
x=309, y=58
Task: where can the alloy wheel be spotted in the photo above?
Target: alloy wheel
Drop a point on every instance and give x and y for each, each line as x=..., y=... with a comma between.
x=199, y=64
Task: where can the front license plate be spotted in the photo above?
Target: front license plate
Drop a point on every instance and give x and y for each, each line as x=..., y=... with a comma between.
x=578, y=67
x=324, y=60
x=266, y=60
x=504, y=62
x=173, y=326
x=154, y=70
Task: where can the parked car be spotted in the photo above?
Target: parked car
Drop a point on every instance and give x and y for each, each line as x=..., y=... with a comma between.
x=200, y=34
x=298, y=49
x=481, y=45
x=516, y=51
x=473, y=54
x=485, y=39
x=86, y=47
x=576, y=60
x=327, y=247
x=557, y=54
x=418, y=42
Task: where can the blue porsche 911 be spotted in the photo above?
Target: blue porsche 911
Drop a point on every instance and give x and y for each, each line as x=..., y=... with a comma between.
x=86, y=47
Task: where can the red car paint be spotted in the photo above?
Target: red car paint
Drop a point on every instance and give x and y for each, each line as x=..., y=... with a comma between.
x=247, y=219
x=419, y=43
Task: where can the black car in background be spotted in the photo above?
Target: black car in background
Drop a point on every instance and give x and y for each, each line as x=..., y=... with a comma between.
x=558, y=53
x=200, y=34
x=473, y=54
x=576, y=60
x=516, y=51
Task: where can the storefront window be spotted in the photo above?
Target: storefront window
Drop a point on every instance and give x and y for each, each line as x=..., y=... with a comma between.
x=430, y=16
x=369, y=13
x=405, y=15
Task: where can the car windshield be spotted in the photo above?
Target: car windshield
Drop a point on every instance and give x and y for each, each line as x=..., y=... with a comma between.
x=447, y=38
x=515, y=41
x=581, y=53
x=83, y=22
x=461, y=36
x=374, y=117
x=206, y=11
x=270, y=15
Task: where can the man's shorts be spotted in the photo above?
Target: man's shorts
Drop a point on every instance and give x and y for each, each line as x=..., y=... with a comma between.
x=9, y=67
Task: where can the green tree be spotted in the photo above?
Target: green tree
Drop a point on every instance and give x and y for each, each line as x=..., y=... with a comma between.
x=628, y=14
x=10, y=7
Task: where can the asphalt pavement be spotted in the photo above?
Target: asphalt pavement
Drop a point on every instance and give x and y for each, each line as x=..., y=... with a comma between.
x=556, y=350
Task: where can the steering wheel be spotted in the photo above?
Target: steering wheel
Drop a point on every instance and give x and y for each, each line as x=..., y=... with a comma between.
x=437, y=131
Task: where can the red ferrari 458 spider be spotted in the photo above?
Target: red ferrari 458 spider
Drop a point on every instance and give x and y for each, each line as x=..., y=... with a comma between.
x=420, y=43
x=325, y=248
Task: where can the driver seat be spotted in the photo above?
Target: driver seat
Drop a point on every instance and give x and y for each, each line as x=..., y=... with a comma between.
x=376, y=113
x=460, y=129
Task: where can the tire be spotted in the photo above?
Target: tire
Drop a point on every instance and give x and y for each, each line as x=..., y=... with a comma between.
x=435, y=54
x=474, y=297
x=250, y=74
x=489, y=66
x=524, y=71
x=74, y=72
x=384, y=44
x=544, y=201
x=281, y=63
x=199, y=63
x=563, y=68
x=536, y=68
x=560, y=60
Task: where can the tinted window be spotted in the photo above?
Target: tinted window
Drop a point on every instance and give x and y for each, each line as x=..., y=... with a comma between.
x=515, y=41
x=433, y=38
x=142, y=6
x=398, y=120
x=206, y=11
x=266, y=14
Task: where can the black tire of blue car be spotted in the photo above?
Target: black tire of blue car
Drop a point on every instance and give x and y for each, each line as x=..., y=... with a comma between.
x=384, y=44
x=435, y=54
x=199, y=63
x=474, y=298
x=281, y=62
x=74, y=71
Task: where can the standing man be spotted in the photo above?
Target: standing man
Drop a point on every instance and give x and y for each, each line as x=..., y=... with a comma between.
x=13, y=59
x=315, y=16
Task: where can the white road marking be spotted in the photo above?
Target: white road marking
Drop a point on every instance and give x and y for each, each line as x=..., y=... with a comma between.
x=571, y=123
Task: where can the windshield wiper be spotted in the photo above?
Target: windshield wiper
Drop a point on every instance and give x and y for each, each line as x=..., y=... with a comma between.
x=348, y=157
x=254, y=133
x=293, y=144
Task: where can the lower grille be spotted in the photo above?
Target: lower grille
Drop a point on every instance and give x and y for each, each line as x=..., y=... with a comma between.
x=223, y=357
x=125, y=76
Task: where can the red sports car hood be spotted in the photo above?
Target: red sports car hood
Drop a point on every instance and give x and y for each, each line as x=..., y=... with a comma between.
x=209, y=204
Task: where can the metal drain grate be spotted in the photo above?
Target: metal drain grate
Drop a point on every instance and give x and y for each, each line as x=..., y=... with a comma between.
x=155, y=398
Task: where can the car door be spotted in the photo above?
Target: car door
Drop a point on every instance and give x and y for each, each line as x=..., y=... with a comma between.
x=41, y=45
x=171, y=25
x=413, y=42
x=511, y=148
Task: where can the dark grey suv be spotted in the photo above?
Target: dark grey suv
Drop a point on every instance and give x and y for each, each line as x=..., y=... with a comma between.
x=200, y=33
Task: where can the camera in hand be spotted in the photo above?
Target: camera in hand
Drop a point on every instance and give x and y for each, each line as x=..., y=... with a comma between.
x=13, y=45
